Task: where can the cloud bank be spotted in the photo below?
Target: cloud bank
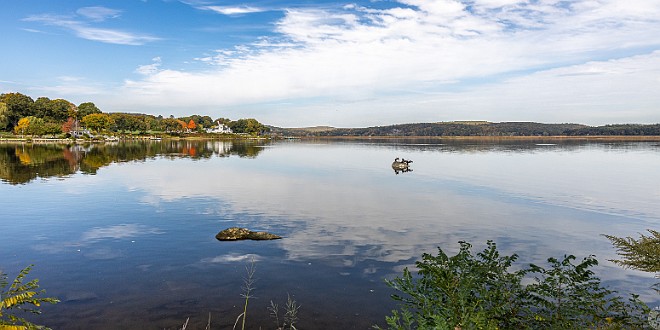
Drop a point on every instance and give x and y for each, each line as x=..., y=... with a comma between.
x=588, y=61
x=448, y=59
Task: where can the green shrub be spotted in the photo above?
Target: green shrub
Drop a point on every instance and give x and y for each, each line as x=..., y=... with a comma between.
x=479, y=291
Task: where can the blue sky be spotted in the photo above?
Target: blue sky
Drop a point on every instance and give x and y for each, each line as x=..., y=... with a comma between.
x=344, y=64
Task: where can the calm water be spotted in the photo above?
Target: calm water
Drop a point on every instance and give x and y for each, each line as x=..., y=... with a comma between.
x=124, y=234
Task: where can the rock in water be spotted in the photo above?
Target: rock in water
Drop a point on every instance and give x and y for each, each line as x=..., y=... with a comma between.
x=236, y=233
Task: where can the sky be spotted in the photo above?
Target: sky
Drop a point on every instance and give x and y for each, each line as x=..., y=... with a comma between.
x=299, y=63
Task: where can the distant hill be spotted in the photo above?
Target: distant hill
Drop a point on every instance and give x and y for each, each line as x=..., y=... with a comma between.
x=475, y=128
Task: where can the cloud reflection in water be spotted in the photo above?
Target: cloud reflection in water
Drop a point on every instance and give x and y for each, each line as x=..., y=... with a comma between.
x=341, y=203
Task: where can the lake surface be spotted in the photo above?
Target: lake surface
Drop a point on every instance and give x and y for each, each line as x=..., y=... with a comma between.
x=124, y=234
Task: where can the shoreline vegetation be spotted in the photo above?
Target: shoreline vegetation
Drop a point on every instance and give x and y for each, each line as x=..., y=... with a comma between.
x=25, y=119
x=554, y=139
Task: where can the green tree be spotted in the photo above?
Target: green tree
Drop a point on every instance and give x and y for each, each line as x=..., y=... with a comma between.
x=20, y=297
x=4, y=119
x=86, y=108
x=172, y=125
x=248, y=126
x=41, y=107
x=126, y=122
x=51, y=128
x=18, y=106
x=223, y=121
x=97, y=121
x=37, y=126
x=53, y=110
x=59, y=110
x=153, y=123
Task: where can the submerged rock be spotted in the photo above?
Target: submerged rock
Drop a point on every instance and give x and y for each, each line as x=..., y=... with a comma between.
x=236, y=233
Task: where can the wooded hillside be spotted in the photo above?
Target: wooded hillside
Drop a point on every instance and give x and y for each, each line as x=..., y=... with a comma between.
x=480, y=128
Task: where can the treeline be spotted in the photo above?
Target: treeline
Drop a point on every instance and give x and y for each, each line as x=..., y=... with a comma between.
x=478, y=129
x=21, y=114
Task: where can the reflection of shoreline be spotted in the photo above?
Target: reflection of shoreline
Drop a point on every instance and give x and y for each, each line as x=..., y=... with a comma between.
x=23, y=162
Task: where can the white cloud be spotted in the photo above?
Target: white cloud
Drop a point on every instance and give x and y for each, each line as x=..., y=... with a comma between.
x=149, y=69
x=83, y=30
x=98, y=13
x=230, y=11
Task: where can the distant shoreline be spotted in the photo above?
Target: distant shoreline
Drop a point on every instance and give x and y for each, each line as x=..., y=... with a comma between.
x=632, y=138
x=553, y=138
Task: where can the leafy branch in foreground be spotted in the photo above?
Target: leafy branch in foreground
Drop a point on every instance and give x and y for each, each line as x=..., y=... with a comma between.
x=641, y=254
x=479, y=291
x=23, y=297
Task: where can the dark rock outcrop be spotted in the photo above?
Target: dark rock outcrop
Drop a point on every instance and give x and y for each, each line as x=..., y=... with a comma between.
x=236, y=233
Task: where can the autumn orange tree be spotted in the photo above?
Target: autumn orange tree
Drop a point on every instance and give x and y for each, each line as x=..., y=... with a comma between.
x=70, y=125
x=191, y=125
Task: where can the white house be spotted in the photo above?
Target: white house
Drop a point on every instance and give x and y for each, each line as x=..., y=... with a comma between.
x=220, y=129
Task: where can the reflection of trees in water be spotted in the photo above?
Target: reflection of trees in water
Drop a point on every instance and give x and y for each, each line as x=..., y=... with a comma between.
x=22, y=163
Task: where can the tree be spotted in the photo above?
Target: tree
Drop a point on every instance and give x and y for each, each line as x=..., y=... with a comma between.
x=182, y=125
x=70, y=125
x=22, y=126
x=4, y=119
x=249, y=126
x=18, y=106
x=86, y=108
x=36, y=126
x=153, y=123
x=59, y=110
x=191, y=125
x=172, y=125
x=52, y=128
x=30, y=125
x=97, y=121
x=19, y=296
x=126, y=122
x=41, y=107
x=223, y=121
